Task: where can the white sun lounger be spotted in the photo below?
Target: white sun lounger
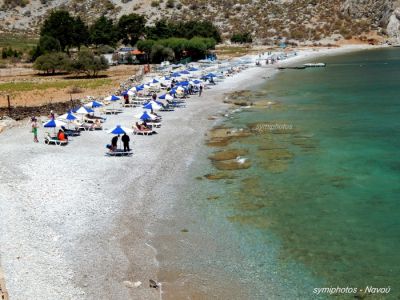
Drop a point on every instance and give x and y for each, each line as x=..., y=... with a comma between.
x=119, y=152
x=143, y=132
x=54, y=141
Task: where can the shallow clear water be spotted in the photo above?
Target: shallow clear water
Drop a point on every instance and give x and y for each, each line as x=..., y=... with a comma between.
x=320, y=204
x=335, y=206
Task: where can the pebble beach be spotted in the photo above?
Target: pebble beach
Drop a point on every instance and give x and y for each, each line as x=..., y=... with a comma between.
x=76, y=224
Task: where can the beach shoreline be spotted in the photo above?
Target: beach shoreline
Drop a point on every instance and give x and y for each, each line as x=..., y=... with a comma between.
x=76, y=224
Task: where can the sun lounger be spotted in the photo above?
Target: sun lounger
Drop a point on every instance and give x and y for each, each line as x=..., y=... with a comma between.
x=129, y=105
x=72, y=132
x=92, y=119
x=119, y=152
x=143, y=132
x=170, y=108
x=154, y=124
x=85, y=127
x=112, y=111
x=54, y=141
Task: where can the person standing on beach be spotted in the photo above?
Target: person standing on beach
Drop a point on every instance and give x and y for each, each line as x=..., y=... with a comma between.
x=125, y=140
x=52, y=116
x=35, y=130
x=114, y=142
x=200, y=90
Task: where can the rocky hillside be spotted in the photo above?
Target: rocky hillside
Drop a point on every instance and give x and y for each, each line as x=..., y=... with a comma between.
x=304, y=21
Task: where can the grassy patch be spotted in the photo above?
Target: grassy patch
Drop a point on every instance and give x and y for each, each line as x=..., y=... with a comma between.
x=231, y=50
x=17, y=41
x=12, y=87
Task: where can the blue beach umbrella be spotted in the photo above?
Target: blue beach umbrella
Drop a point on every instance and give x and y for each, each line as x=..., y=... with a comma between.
x=53, y=123
x=196, y=81
x=93, y=104
x=113, y=98
x=211, y=75
x=70, y=117
x=192, y=69
x=162, y=96
x=83, y=110
x=145, y=116
x=176, y=74
x=120, y=130
x=152, y=105
x=183, y=83
x=154, y=81
x=185, y=72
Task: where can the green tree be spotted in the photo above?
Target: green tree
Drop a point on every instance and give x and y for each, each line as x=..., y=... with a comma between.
x=131, y=27
x=145, y=45
x=160, y=53
x=178, y=45
x=49, y=44
x=89, y=64
x=241, y=38
x=80, y=33
x=59, y=25
x=199, y=46
x=103, y=32
x=160, y=30
x=52, y=62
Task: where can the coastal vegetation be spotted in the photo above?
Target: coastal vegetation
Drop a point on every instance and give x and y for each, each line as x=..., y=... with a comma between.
x=165, y=40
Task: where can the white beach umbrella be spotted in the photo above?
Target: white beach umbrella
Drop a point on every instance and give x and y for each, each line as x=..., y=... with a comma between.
x=169, y=97
x=120, y=130
x=82, y=110
x=132, y=92
x=152, y=105
x=145, y=116
x=112, y=98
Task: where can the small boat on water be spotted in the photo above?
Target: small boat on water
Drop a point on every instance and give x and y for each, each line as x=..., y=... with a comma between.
x=315, y=65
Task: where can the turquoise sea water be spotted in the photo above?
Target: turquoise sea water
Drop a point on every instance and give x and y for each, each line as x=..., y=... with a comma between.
x=319, y=206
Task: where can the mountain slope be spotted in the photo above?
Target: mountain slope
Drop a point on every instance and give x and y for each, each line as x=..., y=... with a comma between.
x=266, y=20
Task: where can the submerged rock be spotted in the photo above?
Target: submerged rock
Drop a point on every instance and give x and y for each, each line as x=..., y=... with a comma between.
x=227, y=154
x=222, y=136
x=219, y=175
x=275, y=154
x=233, y=164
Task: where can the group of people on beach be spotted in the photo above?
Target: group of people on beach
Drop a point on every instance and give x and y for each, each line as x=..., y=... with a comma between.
x=125, y=141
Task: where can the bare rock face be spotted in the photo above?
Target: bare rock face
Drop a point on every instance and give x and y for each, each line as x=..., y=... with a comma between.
x=393, y=27
x=378, y=11
x=381, y=13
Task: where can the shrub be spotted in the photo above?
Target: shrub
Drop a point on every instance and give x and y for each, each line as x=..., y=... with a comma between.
x=155, y=3
x=241, y=38
x=52, y=62
x=89, y=64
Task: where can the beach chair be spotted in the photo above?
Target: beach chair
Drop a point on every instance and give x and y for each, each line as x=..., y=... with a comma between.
x=167, y=108
x=85, y=127
x=137, y=131
x=71, y=132
x=49, y=140
x=119, y=153
x=113, y=111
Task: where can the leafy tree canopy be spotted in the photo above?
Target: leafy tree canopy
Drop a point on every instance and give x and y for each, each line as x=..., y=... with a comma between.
x=131, y=27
